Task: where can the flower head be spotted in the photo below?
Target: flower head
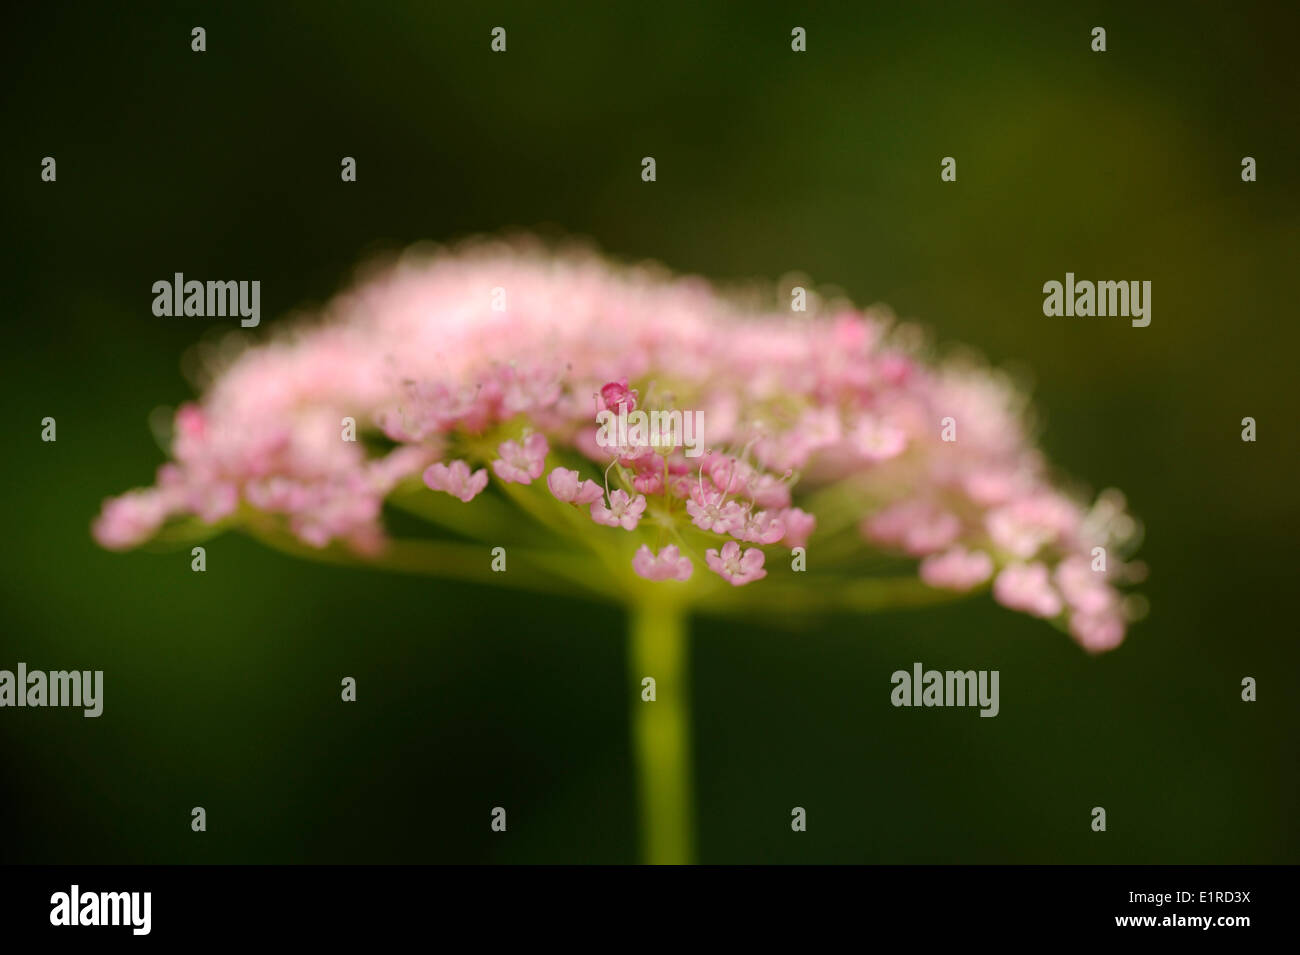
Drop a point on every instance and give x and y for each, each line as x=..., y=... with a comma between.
x=829, y=432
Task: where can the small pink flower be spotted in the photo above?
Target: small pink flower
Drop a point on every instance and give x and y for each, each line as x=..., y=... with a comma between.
x=384, y=474
x=761, y=527
x=731, y=476
x=190, y=422
x=678, y=464
x=1026, y=587
x=1096, y=632
x=709, y=513
x=456, y=479
x=637, y=457
x=933, y=532
x=617, y=396
x=733, y=566
x=799, y=526
x=214, y=502
x=623, y=511
x=957, y=569
x=877, y=441
x=890, y=524
x=895, y=369
x=278, y=494
x=1085, y=589
x=130, y=519
x=648, y=482
x=523, y=462
x=668, y=565
x=567, y=487
x=768, y=490
x=1026, y=524
x=990, y=486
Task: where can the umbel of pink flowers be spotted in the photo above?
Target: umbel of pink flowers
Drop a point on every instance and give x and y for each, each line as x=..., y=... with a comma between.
x=828, y=431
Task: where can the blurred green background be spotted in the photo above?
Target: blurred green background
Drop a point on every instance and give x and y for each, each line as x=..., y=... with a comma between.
x=222, y=688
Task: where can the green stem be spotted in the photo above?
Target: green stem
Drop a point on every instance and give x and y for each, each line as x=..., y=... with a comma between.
x=661, y=732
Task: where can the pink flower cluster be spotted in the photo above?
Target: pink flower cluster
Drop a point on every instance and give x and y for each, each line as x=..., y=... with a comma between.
x=815, y=424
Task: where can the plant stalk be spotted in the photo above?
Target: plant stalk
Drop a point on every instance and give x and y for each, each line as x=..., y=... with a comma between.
x=661, y=732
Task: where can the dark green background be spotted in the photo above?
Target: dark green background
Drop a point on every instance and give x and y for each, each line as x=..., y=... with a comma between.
x=222, y=688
